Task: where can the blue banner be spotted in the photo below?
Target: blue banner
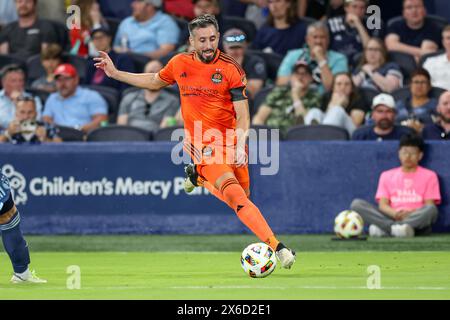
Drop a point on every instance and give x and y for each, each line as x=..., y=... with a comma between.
x=101, y=188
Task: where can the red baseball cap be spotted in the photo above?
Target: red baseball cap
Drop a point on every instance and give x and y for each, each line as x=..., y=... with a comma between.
x=67, y=70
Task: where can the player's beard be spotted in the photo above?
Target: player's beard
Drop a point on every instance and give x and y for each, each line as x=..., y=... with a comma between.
x=208, y=59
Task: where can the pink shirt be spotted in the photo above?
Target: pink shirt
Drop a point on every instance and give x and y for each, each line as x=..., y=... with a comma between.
x=408, y=190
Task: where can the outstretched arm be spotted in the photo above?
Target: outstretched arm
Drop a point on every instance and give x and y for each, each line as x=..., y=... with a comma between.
x=149, y=81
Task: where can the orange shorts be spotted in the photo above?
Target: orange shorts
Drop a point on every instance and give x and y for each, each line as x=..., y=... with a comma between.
x=212, y=172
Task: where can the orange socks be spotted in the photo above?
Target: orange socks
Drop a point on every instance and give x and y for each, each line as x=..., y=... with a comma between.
x=233, y=194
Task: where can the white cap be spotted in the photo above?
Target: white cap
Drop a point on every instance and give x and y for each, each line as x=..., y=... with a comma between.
x=384, y=99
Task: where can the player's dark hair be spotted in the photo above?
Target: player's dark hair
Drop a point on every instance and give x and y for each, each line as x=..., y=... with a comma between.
x=203, y=22
x=412, y=140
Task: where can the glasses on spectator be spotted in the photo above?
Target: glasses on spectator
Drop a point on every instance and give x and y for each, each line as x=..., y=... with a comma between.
x=237, y=38
x=25, y=98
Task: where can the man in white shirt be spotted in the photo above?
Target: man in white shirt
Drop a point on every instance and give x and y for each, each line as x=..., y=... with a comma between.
x=439, y=66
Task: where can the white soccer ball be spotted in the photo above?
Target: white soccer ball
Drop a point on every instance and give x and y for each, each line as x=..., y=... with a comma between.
x=348, y=224
x=258, y=260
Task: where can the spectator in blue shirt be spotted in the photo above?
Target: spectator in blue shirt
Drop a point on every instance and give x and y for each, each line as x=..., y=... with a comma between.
x=440, y=130
x=414, y=34
x=323, y=62
x=417, y=109
x=73, y=106
x=283, y=30
x=101, y=38
x=148, y=31
x=13, y=82
x=383, y=115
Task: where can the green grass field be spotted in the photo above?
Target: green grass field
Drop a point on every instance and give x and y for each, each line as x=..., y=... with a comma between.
x=208, y=267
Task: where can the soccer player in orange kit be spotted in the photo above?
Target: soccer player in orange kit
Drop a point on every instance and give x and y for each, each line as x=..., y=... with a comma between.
x=214, y=107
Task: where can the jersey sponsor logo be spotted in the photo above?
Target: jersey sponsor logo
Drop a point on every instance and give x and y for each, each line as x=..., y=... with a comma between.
x=17, y=182
x=217, y=78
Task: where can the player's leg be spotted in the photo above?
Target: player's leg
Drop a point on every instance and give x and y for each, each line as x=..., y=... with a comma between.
x=234, y=195
x=284, y=254
x=12, y=237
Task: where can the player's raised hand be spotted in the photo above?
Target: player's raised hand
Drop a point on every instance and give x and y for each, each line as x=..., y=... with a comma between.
x=104, y=62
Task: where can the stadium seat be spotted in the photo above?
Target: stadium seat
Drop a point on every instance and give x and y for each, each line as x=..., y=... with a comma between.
x=113, y=24
x=272, y=60
x=429, y=55
x=68, y=134
x=6, y=59
x=316, y=132
x=308, y=20
x=368, y=94
x=111, y=96
x=404, y=93
x=184, y=30
x=139, y=61
x=406, y=62
x=42, y=94
x=259, y=99
x=165, y=134
x=118, y=133
x=245, y=25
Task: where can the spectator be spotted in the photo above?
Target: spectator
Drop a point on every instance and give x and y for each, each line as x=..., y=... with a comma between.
x=13, y=83
x=349, y=33
x=342, y=107
x=383, y=115
x=148, y=109
x=148, y=31
x=28, y=35
x=417, y=109
x=439, y=66
x=8, y=12
x=50, y=58
x=73, y=106
x=235, y=45
x=101, y=39
x=323, y=62
x=375, y=72
x=414, y=34
x=283, y=30
x=407, y=196
x=440, y=130
x=91, y=18
x=286, y=106
x=26, y=128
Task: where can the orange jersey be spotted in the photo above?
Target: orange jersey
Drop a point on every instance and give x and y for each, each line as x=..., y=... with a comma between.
x=207, y=91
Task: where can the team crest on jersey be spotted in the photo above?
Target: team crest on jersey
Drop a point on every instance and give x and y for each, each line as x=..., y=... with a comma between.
x=216, y=78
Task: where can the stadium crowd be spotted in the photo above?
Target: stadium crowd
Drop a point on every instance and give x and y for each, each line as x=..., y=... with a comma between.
x=329, y=66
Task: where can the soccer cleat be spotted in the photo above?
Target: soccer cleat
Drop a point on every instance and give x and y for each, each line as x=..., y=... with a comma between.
x=286, y=257
x=192, y=179
x=375, y=231
x=402, y=231
x=31, y=278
